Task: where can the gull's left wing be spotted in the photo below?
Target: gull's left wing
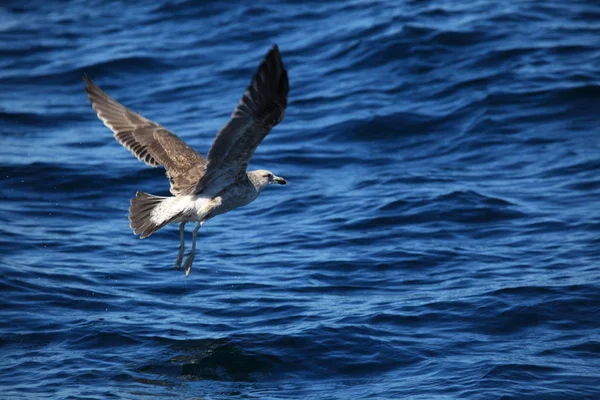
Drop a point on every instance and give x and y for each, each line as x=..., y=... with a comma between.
x=261, y=108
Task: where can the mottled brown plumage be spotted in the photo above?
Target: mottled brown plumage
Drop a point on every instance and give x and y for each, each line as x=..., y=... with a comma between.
x=202, y=187
x=149, y=141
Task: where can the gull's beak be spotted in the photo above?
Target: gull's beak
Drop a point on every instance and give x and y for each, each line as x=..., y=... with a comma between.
x=279, y=180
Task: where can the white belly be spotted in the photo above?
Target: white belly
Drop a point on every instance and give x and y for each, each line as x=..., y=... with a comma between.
x=187, y=208
x=202, y=206
x=199, y=208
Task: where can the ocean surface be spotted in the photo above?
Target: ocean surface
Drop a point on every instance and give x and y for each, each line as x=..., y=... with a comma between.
x=439, y=236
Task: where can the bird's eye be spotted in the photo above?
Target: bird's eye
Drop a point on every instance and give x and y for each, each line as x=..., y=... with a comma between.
x=266, y=176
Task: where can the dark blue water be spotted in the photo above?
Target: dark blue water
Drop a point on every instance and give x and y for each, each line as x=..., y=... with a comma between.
x=439, y=237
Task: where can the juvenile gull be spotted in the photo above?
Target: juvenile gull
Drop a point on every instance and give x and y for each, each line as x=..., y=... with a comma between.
x=202, y=187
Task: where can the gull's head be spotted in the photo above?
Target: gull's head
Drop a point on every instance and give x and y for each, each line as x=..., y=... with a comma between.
x=262, y=178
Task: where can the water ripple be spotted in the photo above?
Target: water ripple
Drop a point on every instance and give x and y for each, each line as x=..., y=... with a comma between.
x=438, y=237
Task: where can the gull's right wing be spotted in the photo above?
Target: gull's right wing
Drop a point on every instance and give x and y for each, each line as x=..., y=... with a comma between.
x=149, y=141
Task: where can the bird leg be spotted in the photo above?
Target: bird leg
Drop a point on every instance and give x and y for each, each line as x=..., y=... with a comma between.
x=187, y=266
x=181, y=246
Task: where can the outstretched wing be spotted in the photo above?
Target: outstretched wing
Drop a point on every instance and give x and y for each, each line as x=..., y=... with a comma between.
x=261, y=108
x=149, y=141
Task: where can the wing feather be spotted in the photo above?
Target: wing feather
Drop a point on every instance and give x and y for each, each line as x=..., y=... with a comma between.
x=261, y=107
x=149, y=141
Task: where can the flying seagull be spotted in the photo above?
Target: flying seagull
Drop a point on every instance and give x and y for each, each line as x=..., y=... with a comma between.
x=202, y=188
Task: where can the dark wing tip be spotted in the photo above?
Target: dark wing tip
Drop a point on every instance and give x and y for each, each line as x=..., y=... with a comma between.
x=284, y=87
x=275, y=50
x=272, y=70
x=88, y=81
x=90, y=87
x=273, y=60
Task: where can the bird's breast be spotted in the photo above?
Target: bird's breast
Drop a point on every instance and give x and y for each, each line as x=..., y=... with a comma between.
x=234, y=196
x=203, y=206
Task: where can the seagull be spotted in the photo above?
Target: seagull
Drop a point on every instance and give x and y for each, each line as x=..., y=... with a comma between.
x=202, y=187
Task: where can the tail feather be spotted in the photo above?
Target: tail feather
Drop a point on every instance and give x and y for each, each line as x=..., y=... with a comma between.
x=140, y=214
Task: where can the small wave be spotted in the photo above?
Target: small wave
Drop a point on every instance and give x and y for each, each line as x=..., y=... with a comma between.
x=104, y=339
x=55, y=180
x=459, y=206
x=125, y=64
x=572, y=169
x=519, y=371
x=218, y=359
x=184, y=10
x=27, y=119
x=73, y=74
x=385, y=127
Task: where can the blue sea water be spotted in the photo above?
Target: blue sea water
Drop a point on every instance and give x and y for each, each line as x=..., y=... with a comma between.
x=439, y=237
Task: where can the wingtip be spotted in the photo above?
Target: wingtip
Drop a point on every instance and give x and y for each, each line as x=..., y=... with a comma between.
x=274, y=52
x=283, y=85
x=89, y=84
x=270, y=82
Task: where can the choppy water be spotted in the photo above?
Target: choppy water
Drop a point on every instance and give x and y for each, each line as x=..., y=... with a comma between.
x=439, y=238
